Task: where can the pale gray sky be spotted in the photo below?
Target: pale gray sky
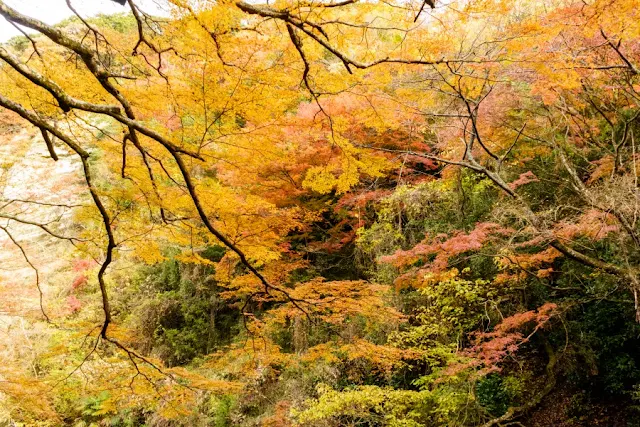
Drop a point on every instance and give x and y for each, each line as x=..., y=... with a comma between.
x=53, y=11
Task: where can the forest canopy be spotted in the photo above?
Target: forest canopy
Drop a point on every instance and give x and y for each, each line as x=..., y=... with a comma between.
x=322, y=213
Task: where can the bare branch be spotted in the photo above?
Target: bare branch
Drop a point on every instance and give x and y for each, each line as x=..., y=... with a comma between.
x=33, y=267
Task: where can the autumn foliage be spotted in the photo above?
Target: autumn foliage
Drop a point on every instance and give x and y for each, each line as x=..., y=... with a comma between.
x=323, y=214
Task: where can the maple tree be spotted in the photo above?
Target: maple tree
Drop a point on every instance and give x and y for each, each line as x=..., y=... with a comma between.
x=327, y=213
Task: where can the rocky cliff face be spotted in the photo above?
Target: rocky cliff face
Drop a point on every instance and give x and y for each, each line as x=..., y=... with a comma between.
x=36, y=189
